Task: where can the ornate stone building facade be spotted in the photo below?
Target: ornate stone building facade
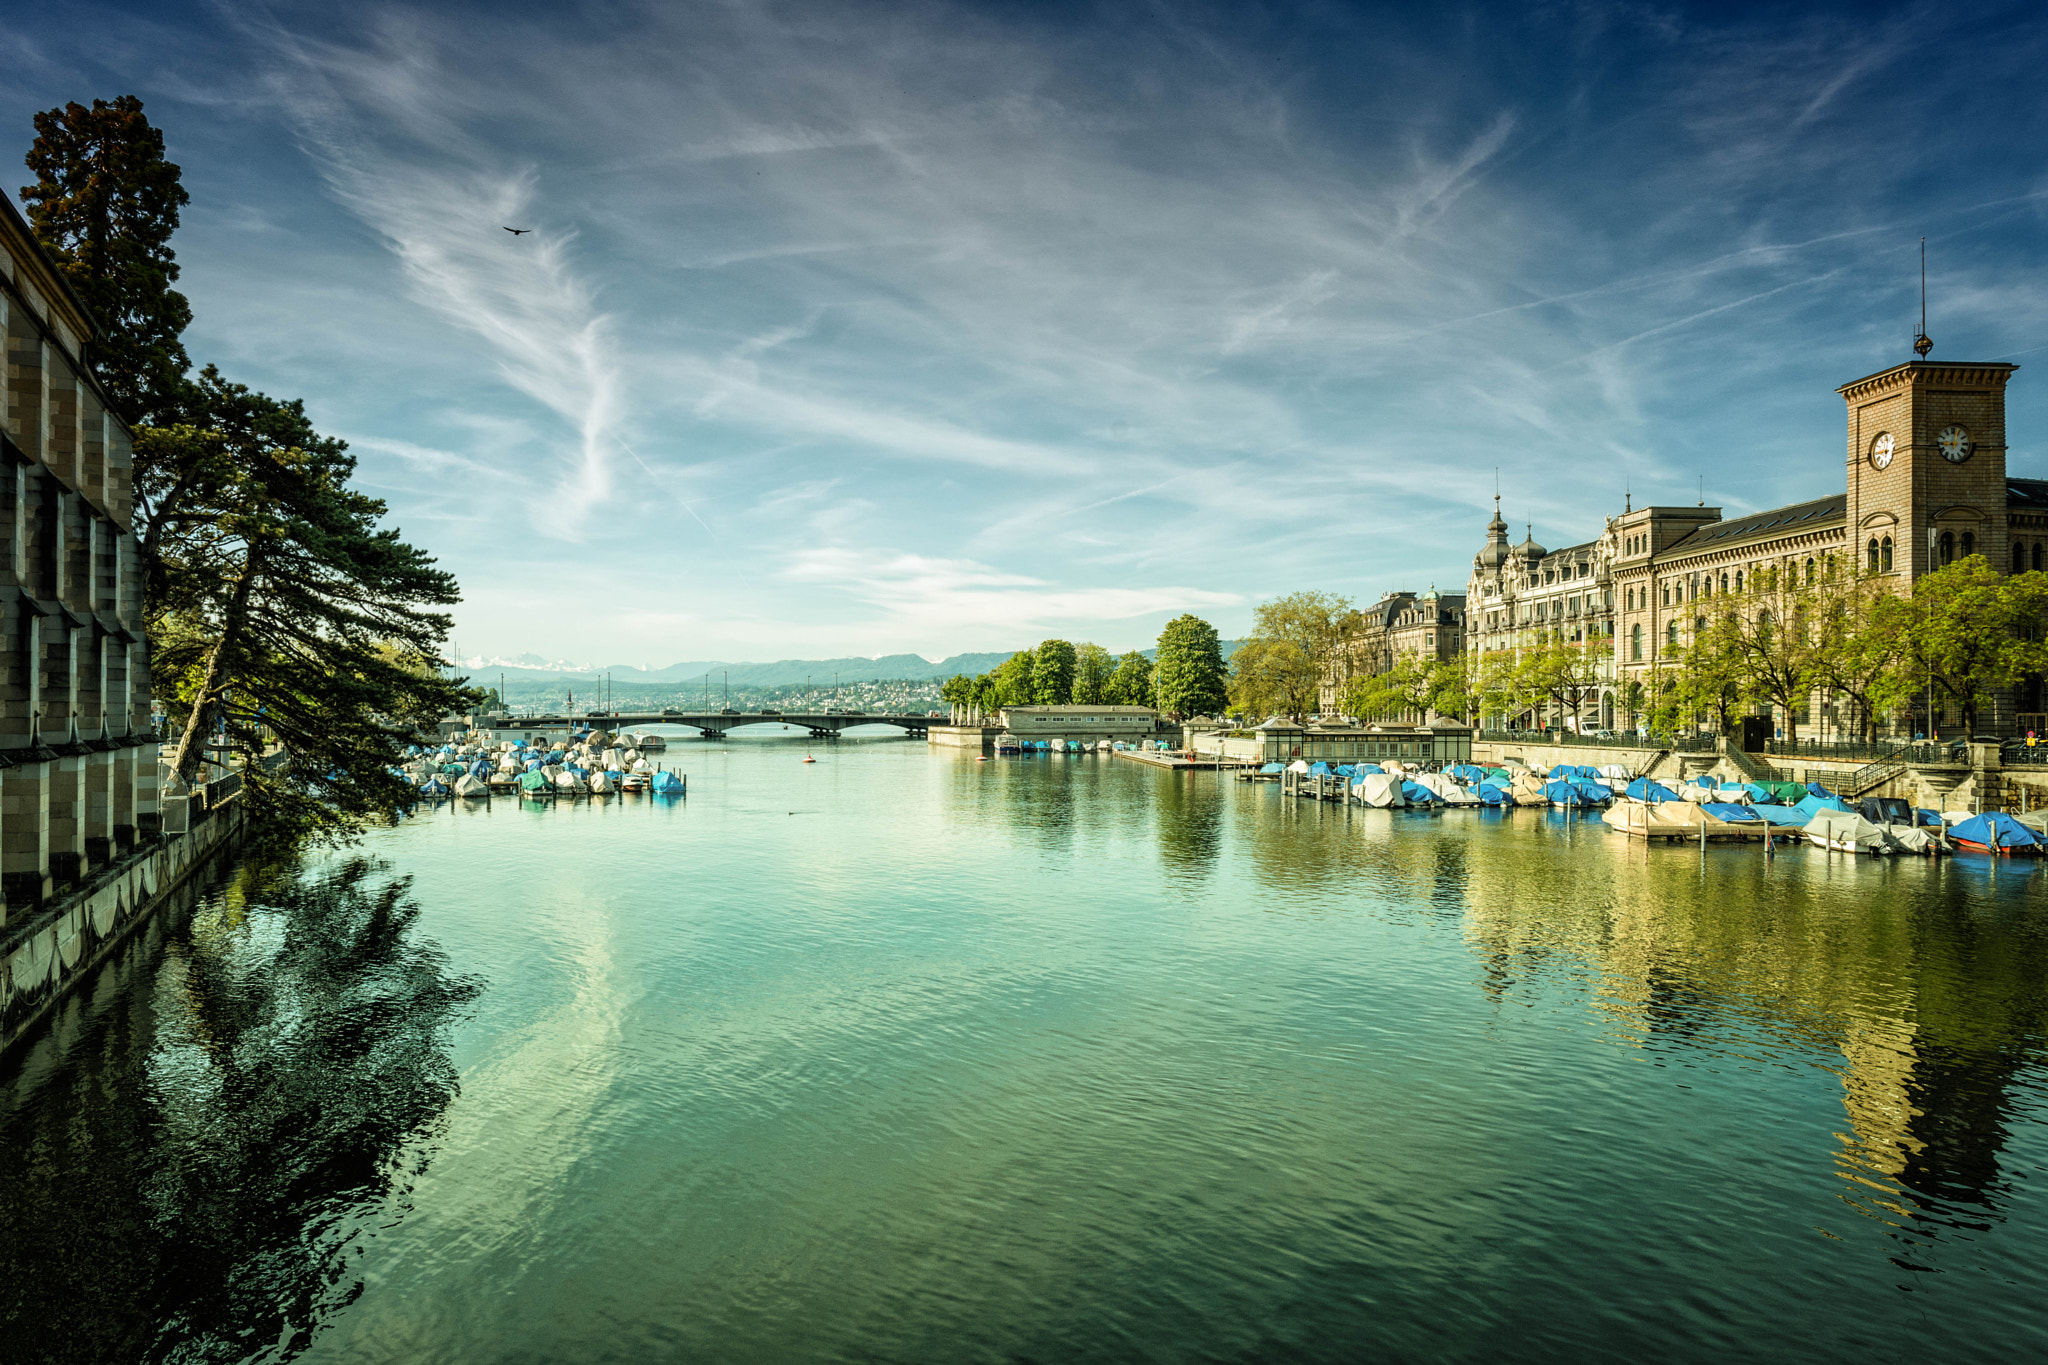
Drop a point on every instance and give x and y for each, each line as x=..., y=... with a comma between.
x=1401, y=625
x=78, y=766
x=1925, y=484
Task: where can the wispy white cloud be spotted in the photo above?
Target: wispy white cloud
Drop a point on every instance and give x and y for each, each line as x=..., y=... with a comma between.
x=1057, y=311
x=395, y=152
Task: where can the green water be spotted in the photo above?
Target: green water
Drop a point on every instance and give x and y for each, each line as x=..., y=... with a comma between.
x=905, y=1057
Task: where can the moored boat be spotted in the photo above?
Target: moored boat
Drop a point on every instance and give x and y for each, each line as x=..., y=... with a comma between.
x=1997, y=833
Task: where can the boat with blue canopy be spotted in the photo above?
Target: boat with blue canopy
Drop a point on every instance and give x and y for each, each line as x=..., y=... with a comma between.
x=1995, y=832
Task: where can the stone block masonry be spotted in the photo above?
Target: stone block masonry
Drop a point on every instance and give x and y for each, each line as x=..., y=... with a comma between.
x=82, y=853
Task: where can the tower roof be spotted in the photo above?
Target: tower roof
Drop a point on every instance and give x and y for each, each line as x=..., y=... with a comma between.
x=1495, y=552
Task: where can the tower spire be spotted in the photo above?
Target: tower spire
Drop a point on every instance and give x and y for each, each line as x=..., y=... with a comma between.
x=1922, y=342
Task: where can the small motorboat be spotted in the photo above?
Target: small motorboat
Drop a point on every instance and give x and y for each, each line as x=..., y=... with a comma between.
x=1995, y=832
x=809, y=759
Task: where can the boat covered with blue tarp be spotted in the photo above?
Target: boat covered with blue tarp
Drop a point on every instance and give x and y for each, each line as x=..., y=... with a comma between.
x=1995, y=832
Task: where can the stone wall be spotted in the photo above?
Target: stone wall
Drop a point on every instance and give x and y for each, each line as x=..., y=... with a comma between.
x=77, y=759
x=46, y=956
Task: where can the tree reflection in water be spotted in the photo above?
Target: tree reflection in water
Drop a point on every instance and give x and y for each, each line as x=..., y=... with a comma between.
x=189, y=1176
x=1929, y=998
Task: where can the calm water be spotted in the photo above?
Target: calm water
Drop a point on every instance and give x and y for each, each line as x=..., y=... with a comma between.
x=904, y=1057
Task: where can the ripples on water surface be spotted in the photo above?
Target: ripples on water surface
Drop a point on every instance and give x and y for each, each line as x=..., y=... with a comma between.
x=907, y=1057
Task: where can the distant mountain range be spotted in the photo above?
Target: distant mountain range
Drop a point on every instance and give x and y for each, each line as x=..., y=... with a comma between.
x=538, y=668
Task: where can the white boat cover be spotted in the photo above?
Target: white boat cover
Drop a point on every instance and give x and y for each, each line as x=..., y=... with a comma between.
x=1616, y=770
x=1909, y=838
x=1379, y=789
x=599, y=783
x=1527, y=789
x=1846, y=831
x=467, y=785
x=568, y=782
x=1300, y=765
x=1956, y=817
x=1667, y=820
x=1450, y=792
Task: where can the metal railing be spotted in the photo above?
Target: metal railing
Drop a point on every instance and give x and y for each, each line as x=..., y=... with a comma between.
x=1843, y=750
x=1568, y=737
x=1871, y=774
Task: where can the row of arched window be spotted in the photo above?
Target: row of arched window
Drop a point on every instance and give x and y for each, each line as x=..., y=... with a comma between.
x=2025, y=557
x=1703, y=584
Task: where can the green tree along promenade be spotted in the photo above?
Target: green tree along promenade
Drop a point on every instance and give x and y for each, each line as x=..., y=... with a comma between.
x=277, y=605
x=1190, y=679
x=1058, y=673
x=1965, y=633
x=1052, y=673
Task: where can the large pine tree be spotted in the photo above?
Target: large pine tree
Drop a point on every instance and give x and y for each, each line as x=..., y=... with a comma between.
x=105, y=204
x=281, y=612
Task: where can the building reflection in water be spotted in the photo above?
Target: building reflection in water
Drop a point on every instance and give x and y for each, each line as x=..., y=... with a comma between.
x=1923, y=980
x=283, y=1056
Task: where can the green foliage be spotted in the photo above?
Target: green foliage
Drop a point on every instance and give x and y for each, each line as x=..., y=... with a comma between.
x=1131, y=684
x=1092, y=669
x=1406, y=690
x=104, y=205
x=1297, y=643
x=1010, y=684
x=1561, y=675
x=1052, y=673
x=1967, y=631
x=283, y=609
x=1189, y=680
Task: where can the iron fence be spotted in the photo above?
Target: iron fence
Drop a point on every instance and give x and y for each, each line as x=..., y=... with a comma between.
x=1857, y=751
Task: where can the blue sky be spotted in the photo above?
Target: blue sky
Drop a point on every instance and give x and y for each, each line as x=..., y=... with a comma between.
x=864, y=328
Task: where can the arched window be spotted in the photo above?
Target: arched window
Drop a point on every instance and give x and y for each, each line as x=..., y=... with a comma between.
x=1671, y=633
x=2037, y=554
x=1873, y=554
x=1635, y=644
x=1886, y=554
x=1738, y=580
x=2019, y=559
x=1948, y=547
x=1969, y=544
x=1699, y=623
x=1809, y=573
x=1724, y=581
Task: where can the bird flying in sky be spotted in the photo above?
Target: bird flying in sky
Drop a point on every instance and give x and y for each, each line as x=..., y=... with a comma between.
x=518, y=232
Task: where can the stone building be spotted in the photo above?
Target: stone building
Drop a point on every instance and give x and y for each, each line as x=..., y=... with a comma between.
x=1924, y=484
x=1399, y=625
x=78, y=765
x=1523, y=596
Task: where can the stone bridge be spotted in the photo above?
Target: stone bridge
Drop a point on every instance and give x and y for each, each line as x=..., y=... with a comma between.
x=714, y=724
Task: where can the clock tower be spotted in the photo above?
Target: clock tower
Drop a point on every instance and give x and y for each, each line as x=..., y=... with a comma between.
x=1926, y=467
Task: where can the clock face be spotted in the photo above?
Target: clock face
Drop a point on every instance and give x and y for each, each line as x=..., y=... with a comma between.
x=1881, y=449
x=1954, y=443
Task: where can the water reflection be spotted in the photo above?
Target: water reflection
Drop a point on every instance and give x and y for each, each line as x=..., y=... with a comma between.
x=1190, y=825
x=195, y=1177
x=1929, y=999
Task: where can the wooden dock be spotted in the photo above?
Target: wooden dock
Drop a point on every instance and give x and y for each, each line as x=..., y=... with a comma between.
x=1157, y=759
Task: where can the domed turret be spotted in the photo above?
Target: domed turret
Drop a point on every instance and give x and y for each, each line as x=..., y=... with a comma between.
x=1529, y=549
x=1495, y=552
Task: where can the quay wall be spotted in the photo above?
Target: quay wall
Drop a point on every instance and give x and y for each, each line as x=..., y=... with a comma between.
x=50, y=958
x=963, y=736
